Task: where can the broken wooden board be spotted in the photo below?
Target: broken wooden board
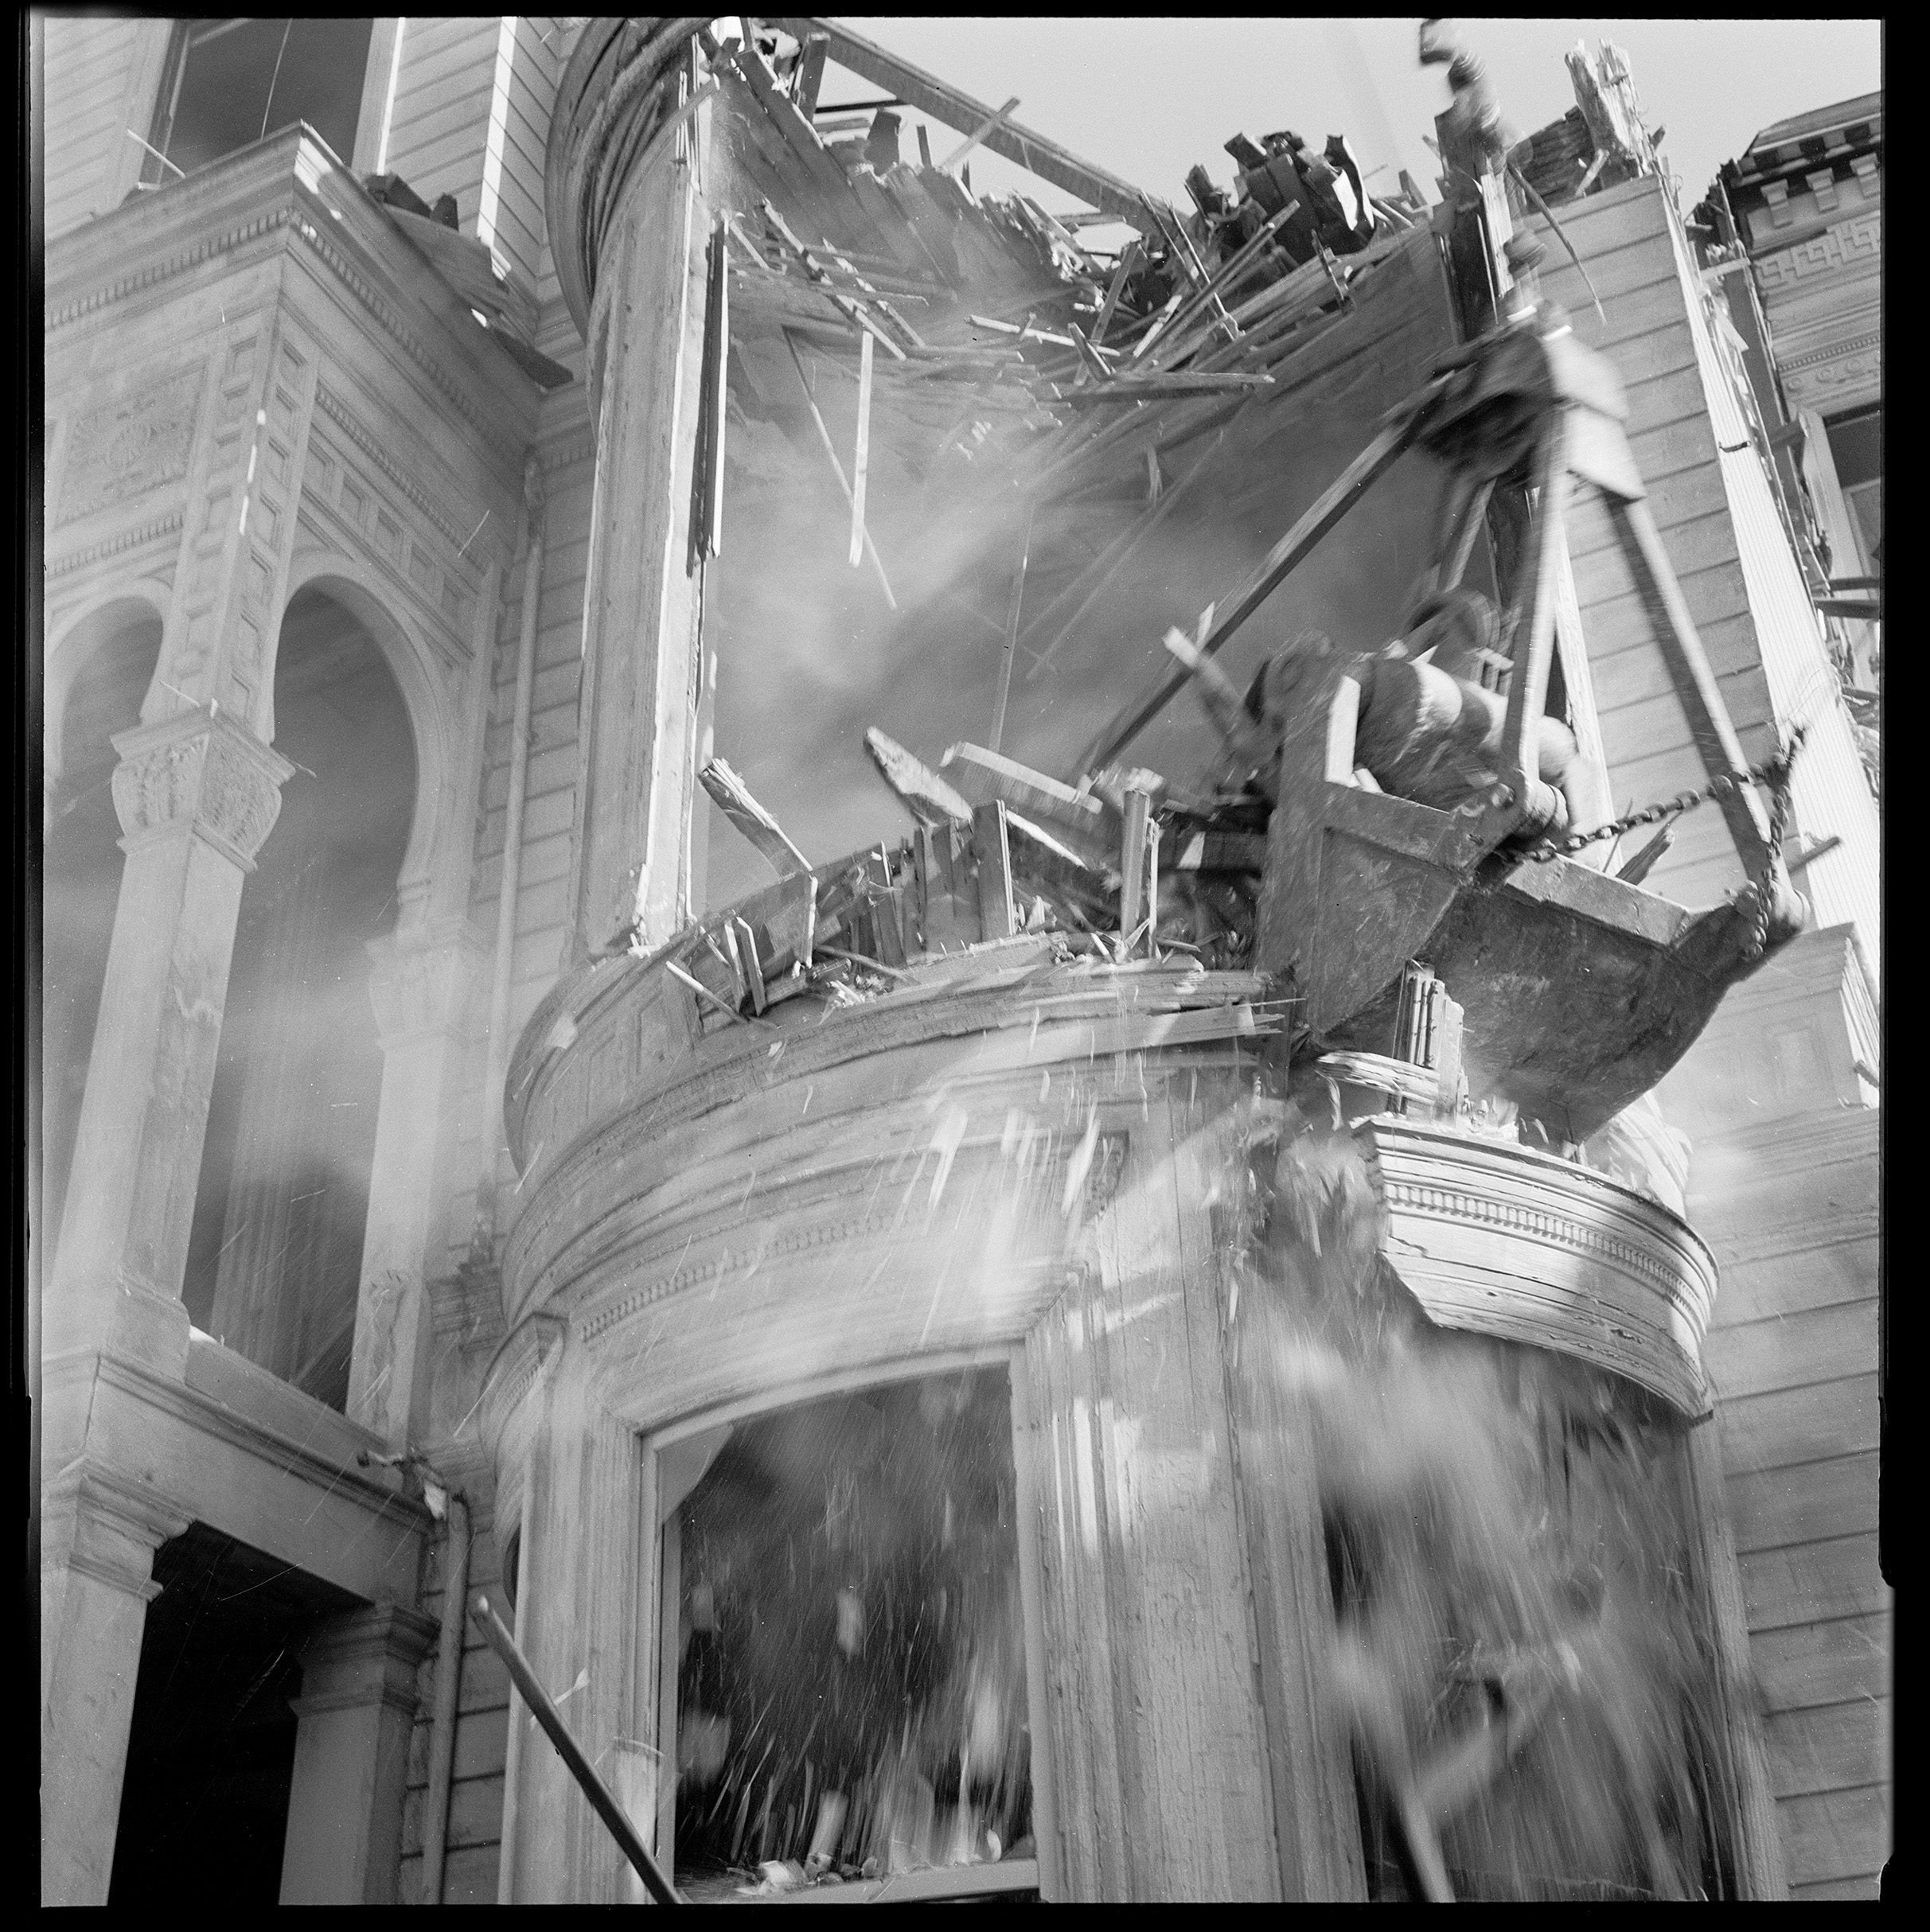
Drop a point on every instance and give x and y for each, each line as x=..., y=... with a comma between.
x=1081, y=818
x=927, y=796
x=732, y=797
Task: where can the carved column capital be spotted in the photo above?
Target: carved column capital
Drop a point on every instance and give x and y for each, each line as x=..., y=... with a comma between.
x=424, y=982
x=201, y=771
x=364, y=1657
x=107, y=1524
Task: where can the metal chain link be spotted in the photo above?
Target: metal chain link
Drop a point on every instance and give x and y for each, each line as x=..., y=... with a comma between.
x=1772, y=774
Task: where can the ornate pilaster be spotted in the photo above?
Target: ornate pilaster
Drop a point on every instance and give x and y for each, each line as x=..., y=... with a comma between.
x=197, y=794
x=351, y=1766
x=100, y=1528
x=424, y=986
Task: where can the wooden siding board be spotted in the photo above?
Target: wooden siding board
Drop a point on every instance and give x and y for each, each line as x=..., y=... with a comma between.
x=1799, y=1425
x=1811, y=1273
x=1831, y=1662
x=1811, y=1582
x=1829, y=1747
x=1840, y=1835
x=1775, y=1509
x=1785, y=1351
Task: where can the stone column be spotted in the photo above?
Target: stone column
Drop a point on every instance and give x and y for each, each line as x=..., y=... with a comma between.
x=100, y=1528
x=423, y=985
x=351, y=1756
x=197, y=794
x=642, y=604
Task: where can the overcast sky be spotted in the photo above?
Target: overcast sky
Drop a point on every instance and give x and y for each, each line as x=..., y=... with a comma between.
x=1147, y=97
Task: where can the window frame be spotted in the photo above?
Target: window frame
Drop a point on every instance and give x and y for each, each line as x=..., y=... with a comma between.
x=660, y=1579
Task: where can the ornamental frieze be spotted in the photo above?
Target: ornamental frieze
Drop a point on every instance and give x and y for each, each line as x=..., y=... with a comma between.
x=124, y=449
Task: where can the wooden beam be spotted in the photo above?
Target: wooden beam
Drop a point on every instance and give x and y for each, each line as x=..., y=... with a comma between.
x=811, y=74
x=998, y=914
x=977, y=136
x=947, y=105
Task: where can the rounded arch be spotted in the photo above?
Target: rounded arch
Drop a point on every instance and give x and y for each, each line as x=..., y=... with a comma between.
x=76, y=634
x=435, y=721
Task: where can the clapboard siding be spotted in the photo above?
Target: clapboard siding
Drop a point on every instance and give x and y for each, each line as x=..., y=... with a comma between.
x=539, y=925
x=1803, y=1425
x=1829, y=1662
x=1828, y=1747
x=482, y=1719
x=1840, y=1835
x=1646, y=331
x=440, y=126
x=89, y=66
x=1811, y=1582
x=1784, y=1351
x=1775, y=1507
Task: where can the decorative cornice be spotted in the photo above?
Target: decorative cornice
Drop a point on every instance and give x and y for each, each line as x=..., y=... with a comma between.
x=566, y=455
x=131, y=539
x=413, y=344
x=1831, y=352
x=288, y=214
x=818, y=1234
x=365, y=439
x=1482, y=1210
x=1638, y=1304
x=175, y=265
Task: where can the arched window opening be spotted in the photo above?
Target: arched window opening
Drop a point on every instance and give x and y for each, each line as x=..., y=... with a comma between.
x=81, y=876
x=275, y=1254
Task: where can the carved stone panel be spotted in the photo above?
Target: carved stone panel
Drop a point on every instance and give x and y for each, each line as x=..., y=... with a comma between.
x=122, y=449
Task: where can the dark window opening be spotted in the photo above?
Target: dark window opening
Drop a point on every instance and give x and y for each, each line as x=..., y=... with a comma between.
x=211, y=1750
x=230, y=82
x=275, y=1256
x=1856, y=446
x=848, y=1690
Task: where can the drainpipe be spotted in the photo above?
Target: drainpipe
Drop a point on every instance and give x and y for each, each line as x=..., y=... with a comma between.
x=496, y=1068
x=448, y=1685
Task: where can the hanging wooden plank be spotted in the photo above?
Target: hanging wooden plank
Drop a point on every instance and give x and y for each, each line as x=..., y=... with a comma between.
x=838, y=468
x=707, y=481
x=861, y=460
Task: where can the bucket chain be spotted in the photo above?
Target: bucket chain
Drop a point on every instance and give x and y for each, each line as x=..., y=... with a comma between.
x=1773, y=774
